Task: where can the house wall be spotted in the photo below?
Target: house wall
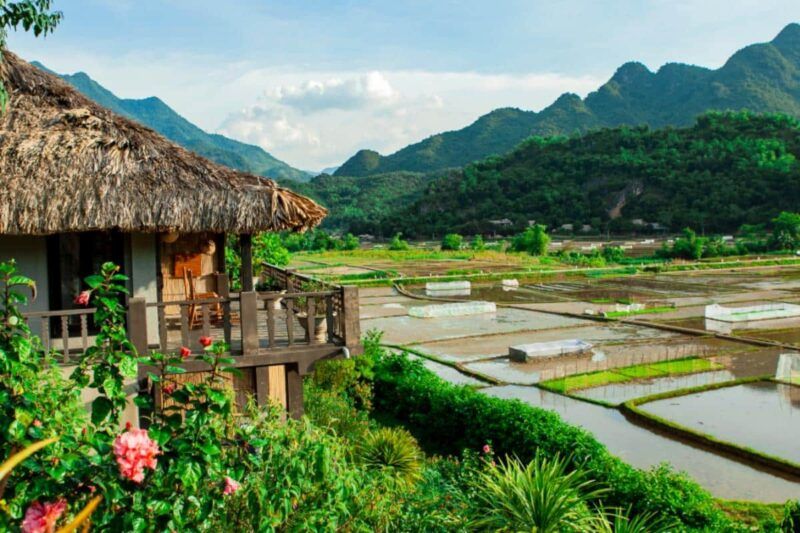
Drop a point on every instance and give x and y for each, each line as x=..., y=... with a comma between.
x=144, y=276
x=31, y=255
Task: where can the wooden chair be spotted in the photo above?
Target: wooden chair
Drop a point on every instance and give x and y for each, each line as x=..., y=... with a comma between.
x=190, y=291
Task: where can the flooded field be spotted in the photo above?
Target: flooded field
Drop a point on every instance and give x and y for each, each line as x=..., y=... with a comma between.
x=551, y=309
x=643, y=448
x=618, y=393
x=764, y=416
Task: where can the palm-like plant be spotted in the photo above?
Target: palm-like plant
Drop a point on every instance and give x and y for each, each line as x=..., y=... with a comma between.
x=621, y=522
x=542, y=496
x=394, y=452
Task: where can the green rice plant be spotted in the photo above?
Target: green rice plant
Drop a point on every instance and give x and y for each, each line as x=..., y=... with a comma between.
x=584, y=381
x=622, y=522
x=542, y=496
x=394, y=452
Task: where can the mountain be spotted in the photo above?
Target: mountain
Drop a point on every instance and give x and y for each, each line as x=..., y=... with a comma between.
x=155, y=114
x=726, y=170
x=762, y=77
x=362, y=201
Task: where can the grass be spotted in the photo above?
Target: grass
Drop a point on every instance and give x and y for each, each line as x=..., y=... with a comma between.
x=647, y=311
x=751, y=513
x=629, y=373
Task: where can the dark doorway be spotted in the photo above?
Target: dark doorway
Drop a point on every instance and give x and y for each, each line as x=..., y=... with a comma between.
x=71, y=257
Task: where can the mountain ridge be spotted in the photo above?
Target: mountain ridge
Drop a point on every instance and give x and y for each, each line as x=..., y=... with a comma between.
x=761, y=77
x=156, y=114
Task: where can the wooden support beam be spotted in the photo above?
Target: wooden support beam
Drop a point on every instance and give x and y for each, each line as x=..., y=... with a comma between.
x=294, y=391
x=246, y=249
x=137, y=324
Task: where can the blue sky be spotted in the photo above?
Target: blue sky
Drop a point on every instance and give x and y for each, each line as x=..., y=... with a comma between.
x=313, y=81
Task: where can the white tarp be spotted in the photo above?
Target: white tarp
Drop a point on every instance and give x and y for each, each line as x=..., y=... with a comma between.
x=510, y=283
x=788, y=368
x=752, y=312
x=542, y=350
x=454, y=309
x=448, y=292
x=447, y=285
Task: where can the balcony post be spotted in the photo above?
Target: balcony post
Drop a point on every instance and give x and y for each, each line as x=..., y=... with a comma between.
x=351, y=323
x=249, y=318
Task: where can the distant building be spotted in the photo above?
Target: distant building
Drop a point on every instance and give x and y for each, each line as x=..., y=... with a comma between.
x=586, y=228
x=638, y=222
x=566, y=227
x=501, y=222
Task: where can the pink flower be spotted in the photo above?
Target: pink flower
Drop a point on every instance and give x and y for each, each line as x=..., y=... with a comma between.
x=185, y=352
x=42, y=517
x=169, y=388
x=487, y=448
x=231, y=486
x=83, y=298
x=37, y=423
x=135, y=451
x=206, y=341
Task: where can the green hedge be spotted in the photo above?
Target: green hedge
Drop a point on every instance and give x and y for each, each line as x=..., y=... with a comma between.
x=448, y=419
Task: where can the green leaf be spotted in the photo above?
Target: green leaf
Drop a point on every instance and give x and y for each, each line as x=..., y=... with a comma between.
x=129, y=367
x=101, y=407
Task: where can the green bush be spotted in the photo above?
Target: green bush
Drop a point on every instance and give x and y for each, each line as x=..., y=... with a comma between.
x=533, y=240
x=397, y=243
x=393, y=453
x=452, y=241
x=446, y=418
x=477, y=243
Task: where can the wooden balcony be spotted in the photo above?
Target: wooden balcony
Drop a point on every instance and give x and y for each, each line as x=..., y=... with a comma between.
x=269, y=333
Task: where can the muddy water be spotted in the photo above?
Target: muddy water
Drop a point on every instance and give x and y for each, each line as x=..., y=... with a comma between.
x=764, y=416
x=621, y=392
x=642, y=448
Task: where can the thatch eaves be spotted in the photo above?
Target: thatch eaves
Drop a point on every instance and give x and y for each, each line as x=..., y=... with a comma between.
x=68, y=164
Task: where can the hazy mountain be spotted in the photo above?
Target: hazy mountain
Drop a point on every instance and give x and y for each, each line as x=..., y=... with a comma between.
x=762, y=77
x=155, y=114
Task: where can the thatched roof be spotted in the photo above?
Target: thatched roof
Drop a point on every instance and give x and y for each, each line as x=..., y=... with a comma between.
x=68, y=164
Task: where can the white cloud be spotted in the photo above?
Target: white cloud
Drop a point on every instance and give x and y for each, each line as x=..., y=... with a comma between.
x=314, y=124
x=371, y=89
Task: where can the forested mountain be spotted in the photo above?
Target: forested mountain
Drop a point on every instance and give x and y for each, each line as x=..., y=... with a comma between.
x=761, y=77
x=726, y=170
x=155, y=114
x=362, y=202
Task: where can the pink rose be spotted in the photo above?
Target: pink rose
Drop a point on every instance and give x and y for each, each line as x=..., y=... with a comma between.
x=185, y=352
x=231, y=486
x=169, y=388
x=487, y=448
x=206, y=341
x=135, y=451
x=42, y=517
x=37, y=423
x=83, y=298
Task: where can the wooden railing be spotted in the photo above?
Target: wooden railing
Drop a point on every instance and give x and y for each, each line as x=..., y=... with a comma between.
x=56, y=325
x=294, y=333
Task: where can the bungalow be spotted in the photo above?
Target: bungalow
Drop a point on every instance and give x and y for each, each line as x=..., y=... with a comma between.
x=82, y=185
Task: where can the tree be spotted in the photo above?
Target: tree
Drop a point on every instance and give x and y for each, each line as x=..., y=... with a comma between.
x=533, y=240
x=613, y=254
x=452, y=241
x=478, y=244
x=32, y=15
x=268, y=248
x=785, y=231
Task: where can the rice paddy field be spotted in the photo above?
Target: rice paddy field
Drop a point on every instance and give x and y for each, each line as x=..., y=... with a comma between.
x=665, y=347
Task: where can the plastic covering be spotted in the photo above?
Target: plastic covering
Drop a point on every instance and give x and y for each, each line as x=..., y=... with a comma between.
x=788, y=368
x=448, y=285
x=541, y=350
x=454, y=309
x=510, y=283
x=753, y=312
